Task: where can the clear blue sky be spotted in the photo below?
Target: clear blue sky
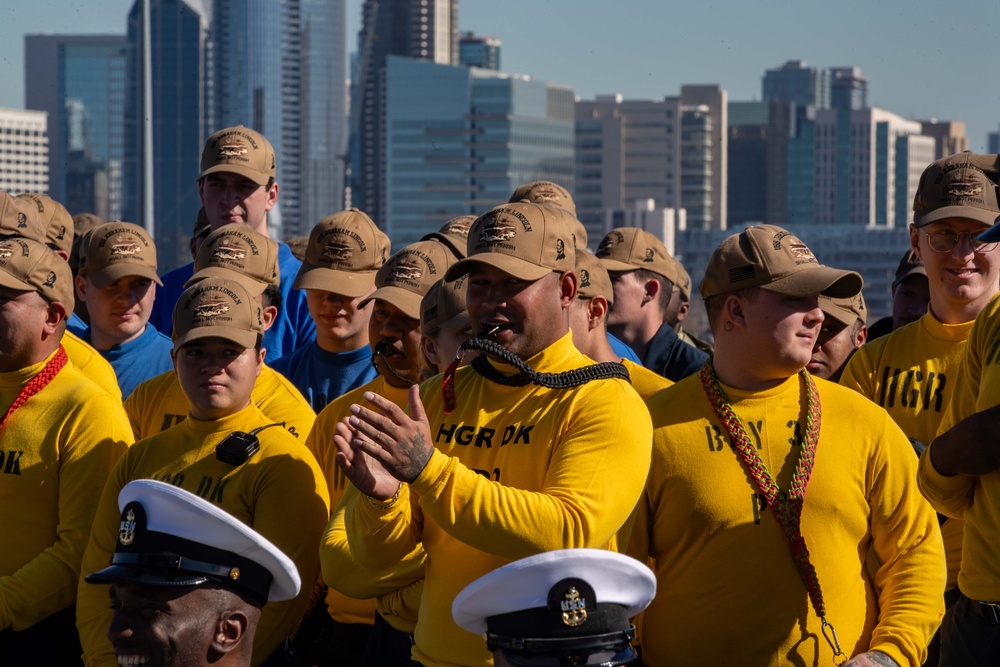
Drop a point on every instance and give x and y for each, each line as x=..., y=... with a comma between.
x=923, y=58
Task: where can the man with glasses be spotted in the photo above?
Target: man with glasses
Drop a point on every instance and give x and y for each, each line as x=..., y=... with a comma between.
x=913, y=371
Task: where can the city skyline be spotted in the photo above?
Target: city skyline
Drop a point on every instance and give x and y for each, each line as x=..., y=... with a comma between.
x=908, y=53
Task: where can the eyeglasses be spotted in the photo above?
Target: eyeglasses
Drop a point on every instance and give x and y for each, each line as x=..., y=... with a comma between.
x=945, y=240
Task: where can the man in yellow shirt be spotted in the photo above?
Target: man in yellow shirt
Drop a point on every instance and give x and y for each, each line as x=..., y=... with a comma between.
x=507, y=457
x=959, y=472
x=234, y=252
x=768, y=488
x=228, y=452
x=60, y=436
x=356, y=620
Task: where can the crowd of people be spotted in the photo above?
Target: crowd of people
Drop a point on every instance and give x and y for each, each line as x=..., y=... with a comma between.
x=494, y=430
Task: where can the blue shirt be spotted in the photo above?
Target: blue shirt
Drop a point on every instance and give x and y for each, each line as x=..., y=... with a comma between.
x=623, y=350
x=671, y=357
x=138, y=360
x=322, y=376
x=76, y=324
x=291, y=330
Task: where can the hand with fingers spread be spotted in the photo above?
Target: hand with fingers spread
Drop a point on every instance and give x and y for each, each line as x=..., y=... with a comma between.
x=380, y=447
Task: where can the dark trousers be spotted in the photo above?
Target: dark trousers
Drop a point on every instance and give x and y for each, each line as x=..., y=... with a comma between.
x=52, y=642
x=970, y=636
x=387, y=646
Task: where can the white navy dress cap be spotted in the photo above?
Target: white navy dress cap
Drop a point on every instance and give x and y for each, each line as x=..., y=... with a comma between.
x=171, y=537
x=525, y=584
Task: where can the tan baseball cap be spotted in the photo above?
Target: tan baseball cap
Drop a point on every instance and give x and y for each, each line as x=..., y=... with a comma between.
x=236, y=252
x=544, y=192
x=963, y=185
x=239, y=150
x=845, y=310
x=82, y=223
x=344, y=253
x=202, y=225
x=409, y=274
x=31, y=266
x=683, y=283
x=115, y=250
x=298, y=245
x=19, y=217
x=56, y=219
x=526, y=240
x=217, y=308
x=773, y=258
x=909, y=265
x=593, y=279
x=454, y=234
x=631, y=248
x=443, y=307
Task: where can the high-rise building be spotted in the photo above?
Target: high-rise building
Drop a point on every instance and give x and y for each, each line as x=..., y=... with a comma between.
x=949, y=137
x=795, y=82
x=748, y=177
x=24, y=151
x=854, y=168
x=421, y=29
x=458, y=141
x=848, y=88
x=709, y=105
x=79, y=81
x=279, y=67
x=670, y=150
x=181, y=118
x=993, y=142
x=477, y=51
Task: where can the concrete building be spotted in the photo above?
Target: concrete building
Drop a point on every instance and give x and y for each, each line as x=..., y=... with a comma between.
x=420, y=29
x=663, y=223
x=949, y=137
x=24, y=151
x=671, y=150
x=477, y=51
x=458, y=140
x=848, y=88
x=79, y=81
x=855, y=168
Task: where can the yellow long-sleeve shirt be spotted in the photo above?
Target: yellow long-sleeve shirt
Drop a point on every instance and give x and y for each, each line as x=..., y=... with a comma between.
x=727, y=585
x=351, y=596
x=159, y=403
x=644, y=381
x=279, y=492
x=57, y=451
x=912, y=373
x=90, y=362
x=975, y=499
x=515, y=471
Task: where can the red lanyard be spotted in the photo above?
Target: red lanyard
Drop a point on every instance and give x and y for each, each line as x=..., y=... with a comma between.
x=37, y=383
x=787, y=508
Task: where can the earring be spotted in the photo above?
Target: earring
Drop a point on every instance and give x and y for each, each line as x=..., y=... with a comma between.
x=727, y=325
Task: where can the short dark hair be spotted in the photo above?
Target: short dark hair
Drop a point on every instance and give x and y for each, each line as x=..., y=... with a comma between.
x=272, y=297
x=666, y=286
